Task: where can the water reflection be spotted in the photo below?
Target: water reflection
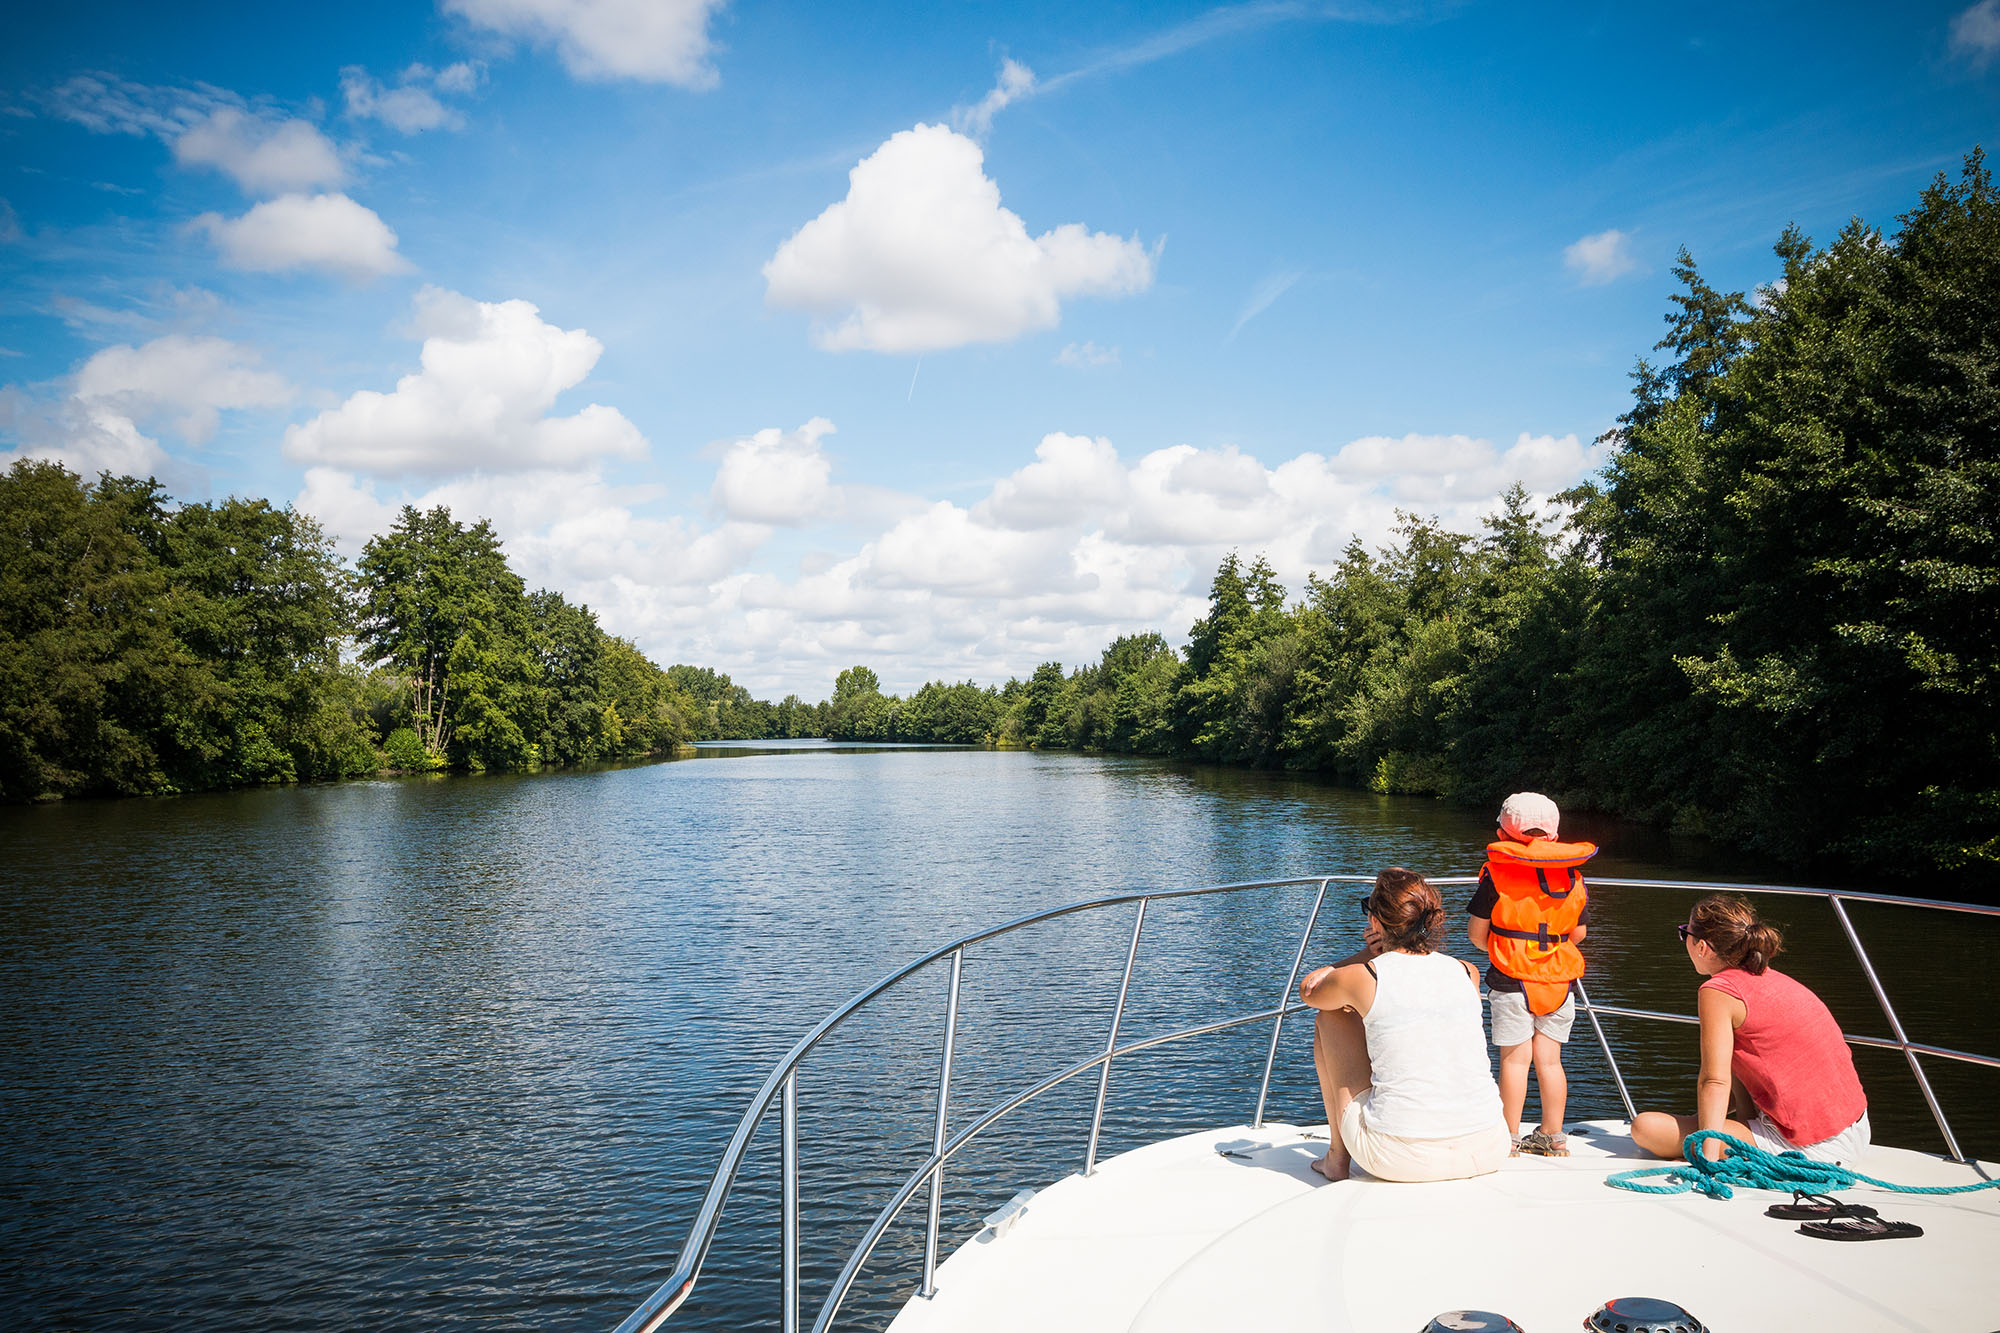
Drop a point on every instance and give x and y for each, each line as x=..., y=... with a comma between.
x=460, y=1053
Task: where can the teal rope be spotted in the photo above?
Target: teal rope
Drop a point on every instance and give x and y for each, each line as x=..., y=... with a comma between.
x=1754, y=1168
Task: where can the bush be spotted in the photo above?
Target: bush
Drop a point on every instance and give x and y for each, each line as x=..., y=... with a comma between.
x=404, y=752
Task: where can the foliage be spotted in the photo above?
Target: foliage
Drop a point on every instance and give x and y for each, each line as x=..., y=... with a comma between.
x=148, y=649
x=1774, y=617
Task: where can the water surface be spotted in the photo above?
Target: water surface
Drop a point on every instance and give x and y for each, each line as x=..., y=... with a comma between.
x=460, y=1053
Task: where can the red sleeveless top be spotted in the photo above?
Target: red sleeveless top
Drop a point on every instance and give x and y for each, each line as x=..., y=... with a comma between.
x=1790, y=1056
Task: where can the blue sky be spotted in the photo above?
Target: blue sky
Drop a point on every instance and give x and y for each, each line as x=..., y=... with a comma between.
x=946, y=339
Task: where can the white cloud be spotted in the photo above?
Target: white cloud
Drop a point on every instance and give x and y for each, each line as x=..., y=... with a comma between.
x=1072, y=480
x=1016, y=82
x=106, y=104
x=1086, y=356
x=192, y=379
x=1062, y=555
x=412, y=106
x=1975, y=33
x=1601, y=258
x=263, y=156
x=1265, y=295
x=490, y=378
x=920, y=256
x=85, y=437
x=10, y=224
x=659, y=41
x=93, y=420
x=328, y=231
x=777, y=477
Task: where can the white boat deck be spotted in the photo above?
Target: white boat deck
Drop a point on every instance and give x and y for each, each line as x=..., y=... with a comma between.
x=1174, y=1237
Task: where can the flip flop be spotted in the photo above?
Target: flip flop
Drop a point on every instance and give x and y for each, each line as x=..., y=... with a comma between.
x=1806, y=1207
x=1860, y=1228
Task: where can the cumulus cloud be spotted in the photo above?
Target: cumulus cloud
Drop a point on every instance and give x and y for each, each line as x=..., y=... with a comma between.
x=777, y=476
x=261, y=147
x=658, y=41
x=1072, y=479
x=191, y=379
x=261, y=155
x=1604, y=257
x=491, y=373
x=325, y=231
x=920, y=256
x=1064, y=553
x=1975, y=33
x=412, y=105
x=94, y=420
x=1016, y=82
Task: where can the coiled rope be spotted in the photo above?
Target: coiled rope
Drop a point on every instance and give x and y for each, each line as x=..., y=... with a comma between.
x=1753, y=1168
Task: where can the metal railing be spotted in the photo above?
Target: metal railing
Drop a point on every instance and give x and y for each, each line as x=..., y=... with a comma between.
x=782, y=1085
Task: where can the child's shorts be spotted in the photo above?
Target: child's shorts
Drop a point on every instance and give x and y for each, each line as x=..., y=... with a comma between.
x=1513, y=1024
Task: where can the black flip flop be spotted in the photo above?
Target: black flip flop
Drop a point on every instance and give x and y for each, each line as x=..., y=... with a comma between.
x=1860, y=1228
x=1806, y=1207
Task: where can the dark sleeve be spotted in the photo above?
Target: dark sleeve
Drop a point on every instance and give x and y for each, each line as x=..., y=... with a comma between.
x=1483, y=897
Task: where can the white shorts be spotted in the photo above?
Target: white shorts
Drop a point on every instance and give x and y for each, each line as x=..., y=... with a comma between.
x=1513, y=1024
x=1393, y=1157
x=1843, y=1149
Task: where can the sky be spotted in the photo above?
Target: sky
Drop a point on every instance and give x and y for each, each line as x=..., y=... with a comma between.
x=943, y=339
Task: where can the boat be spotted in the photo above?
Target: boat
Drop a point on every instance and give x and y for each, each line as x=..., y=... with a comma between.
x=1230, y=1228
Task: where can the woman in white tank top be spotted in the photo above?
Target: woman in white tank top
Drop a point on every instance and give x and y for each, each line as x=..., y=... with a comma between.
x=1400, y=1045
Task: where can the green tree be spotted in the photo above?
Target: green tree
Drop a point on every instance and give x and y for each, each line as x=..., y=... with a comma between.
x=569, y=652
x=91, y=675
x=258, y=597
x=442, y=607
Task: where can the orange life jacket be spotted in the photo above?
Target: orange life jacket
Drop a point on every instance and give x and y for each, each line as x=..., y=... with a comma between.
x=1542, y=895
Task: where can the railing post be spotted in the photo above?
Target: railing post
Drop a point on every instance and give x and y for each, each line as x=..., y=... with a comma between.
x=929, y=1289
x=1117, y=1017
x=789, y=1118
x=1618, y=1077
x=1284, y=999
x=1896, y=1026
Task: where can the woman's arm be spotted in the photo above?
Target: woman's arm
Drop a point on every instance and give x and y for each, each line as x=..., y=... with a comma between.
x=1720, y=1014
x=1345, y=985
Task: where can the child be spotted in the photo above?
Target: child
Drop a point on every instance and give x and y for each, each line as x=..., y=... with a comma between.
x=1529, y=913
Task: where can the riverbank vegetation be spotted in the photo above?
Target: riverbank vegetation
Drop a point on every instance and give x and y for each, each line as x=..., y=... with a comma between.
x=1774, y=617
x=147, y=648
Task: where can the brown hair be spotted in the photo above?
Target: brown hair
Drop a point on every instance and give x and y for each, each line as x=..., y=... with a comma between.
x=1732, y=928
x=1407, y=909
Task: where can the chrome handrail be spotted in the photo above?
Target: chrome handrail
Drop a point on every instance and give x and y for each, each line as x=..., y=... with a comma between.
x=783, y=1080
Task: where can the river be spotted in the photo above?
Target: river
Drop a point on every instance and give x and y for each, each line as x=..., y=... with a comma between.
x=461, y=1053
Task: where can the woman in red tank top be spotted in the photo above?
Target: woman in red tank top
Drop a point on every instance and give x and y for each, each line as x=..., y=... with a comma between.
x=1775, y=1069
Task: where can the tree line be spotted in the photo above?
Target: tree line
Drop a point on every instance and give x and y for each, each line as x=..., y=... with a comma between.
x=148, y=648
x=1773, y=619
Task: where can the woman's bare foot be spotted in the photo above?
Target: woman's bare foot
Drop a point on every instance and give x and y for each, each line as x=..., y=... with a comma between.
x=1327, y=1167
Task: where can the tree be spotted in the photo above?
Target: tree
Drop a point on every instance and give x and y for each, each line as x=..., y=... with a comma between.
x=91, y=675
x=258, y=597
x=441, y=606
